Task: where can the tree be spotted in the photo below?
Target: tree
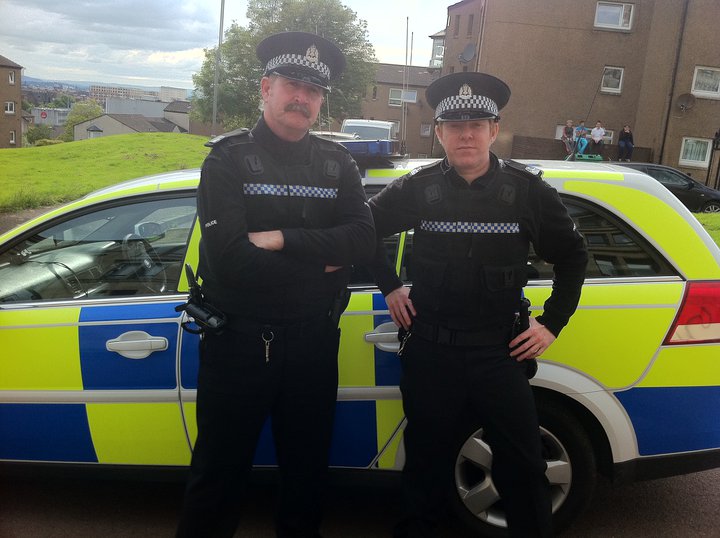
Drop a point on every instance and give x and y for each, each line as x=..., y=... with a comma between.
x=82, y=111
x=239, y=73
x=39, y=132
x=62, y=100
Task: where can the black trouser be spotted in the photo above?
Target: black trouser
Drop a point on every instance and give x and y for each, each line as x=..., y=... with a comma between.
x=237, y=391
x=444, y=390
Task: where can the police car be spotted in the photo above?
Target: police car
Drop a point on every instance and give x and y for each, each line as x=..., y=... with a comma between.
x=97, y=373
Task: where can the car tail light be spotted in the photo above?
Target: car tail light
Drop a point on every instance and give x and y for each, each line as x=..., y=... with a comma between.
x=698, y=321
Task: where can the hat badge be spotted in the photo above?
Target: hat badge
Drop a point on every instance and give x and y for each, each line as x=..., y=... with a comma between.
x=465, y=92
x=312, y=54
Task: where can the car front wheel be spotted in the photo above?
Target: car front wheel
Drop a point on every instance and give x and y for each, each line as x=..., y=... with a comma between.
x=571, y=473
x=712, y=206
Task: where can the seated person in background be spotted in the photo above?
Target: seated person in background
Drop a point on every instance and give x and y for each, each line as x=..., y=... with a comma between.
x=625, y=144
x=597, y=135
x=567, y=137
x=581, y=138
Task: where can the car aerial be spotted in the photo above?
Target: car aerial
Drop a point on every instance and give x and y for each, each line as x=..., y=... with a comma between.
x=97, y=372
x=696, y=196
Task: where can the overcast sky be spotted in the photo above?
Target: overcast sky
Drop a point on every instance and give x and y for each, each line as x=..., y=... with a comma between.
x=160, y=42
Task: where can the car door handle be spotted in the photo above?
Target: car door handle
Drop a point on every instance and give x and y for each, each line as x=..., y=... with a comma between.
x=136, y=344
x=384, y=337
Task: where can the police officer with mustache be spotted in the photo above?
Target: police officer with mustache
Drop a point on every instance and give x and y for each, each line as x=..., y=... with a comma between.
x=283, y=217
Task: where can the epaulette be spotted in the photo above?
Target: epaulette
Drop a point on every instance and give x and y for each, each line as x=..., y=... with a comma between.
x=522, y=169
x=243, y=131
x=328, y=144
x=421, y=170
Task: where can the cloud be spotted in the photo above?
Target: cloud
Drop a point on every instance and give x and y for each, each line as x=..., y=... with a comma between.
x=161, y=42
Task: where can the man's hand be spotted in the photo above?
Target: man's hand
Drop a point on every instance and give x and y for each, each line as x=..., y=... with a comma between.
x=531, y=342
x=272, y=240
x=401, y=308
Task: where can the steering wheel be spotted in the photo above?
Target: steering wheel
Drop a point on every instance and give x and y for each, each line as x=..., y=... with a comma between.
x=150, y=270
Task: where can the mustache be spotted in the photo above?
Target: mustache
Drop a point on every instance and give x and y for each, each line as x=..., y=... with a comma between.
x=297, y=107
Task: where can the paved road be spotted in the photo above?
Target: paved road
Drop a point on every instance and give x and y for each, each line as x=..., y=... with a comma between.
x=58, y=508
x=10, y=220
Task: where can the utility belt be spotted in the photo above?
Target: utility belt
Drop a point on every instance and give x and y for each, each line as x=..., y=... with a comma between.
x=440, y=334
x=245, y=325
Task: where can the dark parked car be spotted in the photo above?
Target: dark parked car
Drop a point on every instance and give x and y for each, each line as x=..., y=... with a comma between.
x=696, y=196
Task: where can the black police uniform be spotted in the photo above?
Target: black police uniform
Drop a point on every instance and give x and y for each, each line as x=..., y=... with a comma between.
x=278, y=355
x=468, y=267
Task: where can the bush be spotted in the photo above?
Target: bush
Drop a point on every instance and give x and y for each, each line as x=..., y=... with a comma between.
x=39, y=132
x=48, y=142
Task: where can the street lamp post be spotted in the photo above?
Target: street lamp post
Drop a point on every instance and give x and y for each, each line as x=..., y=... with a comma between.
x=217, y=69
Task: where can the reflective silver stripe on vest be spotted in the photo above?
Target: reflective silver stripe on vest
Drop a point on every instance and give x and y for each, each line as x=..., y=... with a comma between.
x=470, y=227
x=299, y=191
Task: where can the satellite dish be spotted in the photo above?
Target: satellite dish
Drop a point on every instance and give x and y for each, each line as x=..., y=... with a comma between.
x=686, y=101
x=467, y=54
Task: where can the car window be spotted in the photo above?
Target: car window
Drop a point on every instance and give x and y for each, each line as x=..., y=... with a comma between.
x=614, y=248
x=132, y=249
x=668, y=177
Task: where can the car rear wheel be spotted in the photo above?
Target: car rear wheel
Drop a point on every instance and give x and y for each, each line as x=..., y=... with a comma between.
x=571, y=473
x=712, y=206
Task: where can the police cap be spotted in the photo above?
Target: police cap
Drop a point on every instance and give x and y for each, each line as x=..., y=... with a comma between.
x=467, y=96
x=301, y=56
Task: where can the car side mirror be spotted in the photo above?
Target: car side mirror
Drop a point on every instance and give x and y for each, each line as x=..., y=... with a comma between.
x=151, y=231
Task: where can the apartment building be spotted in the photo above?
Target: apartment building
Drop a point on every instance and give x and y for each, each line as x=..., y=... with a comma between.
x=651, y=64
x=11, y=122
x=398, y=95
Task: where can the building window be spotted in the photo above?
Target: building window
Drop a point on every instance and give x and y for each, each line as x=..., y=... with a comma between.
x=612, y=80
x=456, y=31
x=374, y=93
x=395, y=97
x=9, y=107
x=471, y=19
x=695, y=152
x=11, y=78
x=706, y=82
x=12, y=137
x=613, y=15
x=425, y=130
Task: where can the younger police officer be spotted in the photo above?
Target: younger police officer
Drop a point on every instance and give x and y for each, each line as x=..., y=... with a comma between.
x=475, y=217
x=283, y=216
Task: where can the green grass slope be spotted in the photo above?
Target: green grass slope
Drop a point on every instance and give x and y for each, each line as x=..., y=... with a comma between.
x=711, y=223
x=47, y=175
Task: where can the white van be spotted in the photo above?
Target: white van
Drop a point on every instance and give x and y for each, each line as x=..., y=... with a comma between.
x=370, y=129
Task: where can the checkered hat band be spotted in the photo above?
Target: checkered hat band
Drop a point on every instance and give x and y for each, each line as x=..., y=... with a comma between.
x=474, y=102
x=296, y=59
x=470, y=227
x=297, y=191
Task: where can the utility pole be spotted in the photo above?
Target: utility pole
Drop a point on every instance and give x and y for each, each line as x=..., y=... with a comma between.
x=217, y=69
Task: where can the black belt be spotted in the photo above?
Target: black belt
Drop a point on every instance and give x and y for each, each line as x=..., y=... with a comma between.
x=440, y=334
